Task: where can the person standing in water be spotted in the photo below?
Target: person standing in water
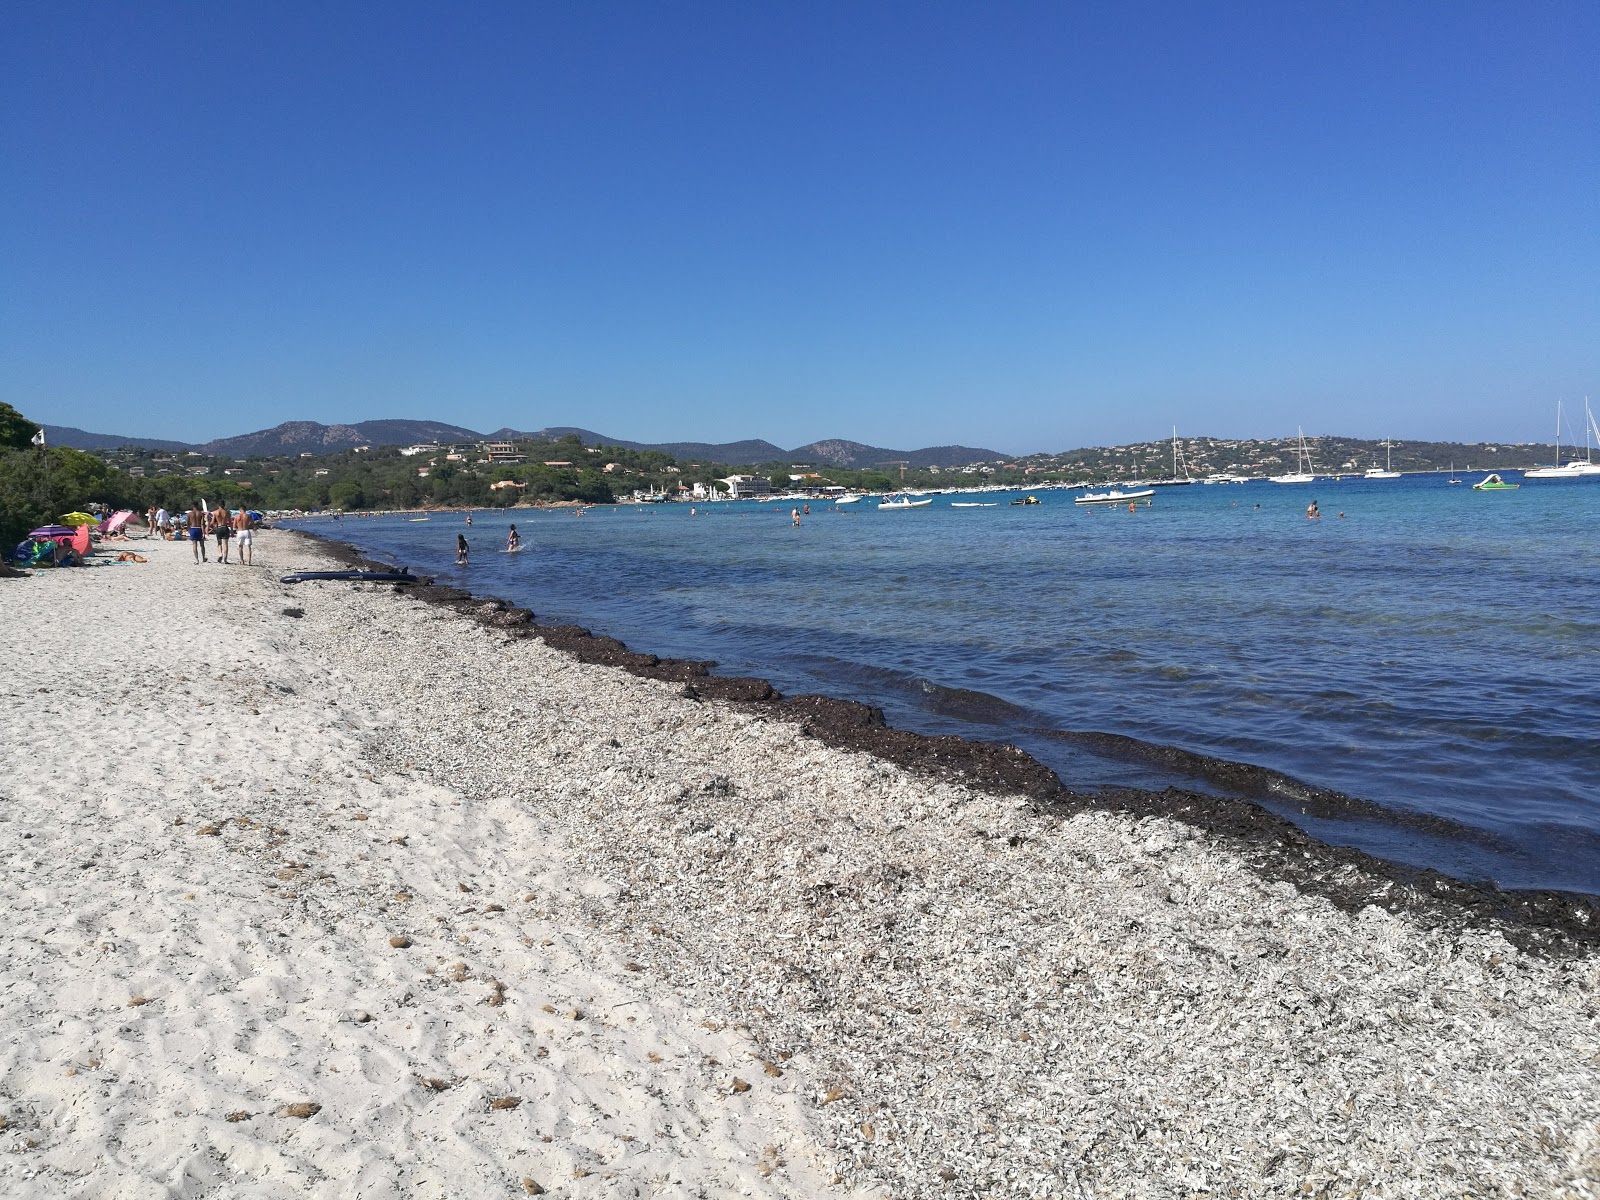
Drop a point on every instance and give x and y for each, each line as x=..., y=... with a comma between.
x=1312, y=512
x=461, y=548
x=513, y=540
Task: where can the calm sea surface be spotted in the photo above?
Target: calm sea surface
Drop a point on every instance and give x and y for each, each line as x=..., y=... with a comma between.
x=1436, y=651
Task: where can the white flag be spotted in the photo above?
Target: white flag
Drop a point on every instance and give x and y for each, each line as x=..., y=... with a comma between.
x=38, y=438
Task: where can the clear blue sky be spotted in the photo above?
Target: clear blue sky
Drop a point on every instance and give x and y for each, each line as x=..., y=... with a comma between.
x=1028, y=226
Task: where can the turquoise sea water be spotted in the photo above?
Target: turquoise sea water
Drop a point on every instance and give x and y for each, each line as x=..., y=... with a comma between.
x=1435, y=651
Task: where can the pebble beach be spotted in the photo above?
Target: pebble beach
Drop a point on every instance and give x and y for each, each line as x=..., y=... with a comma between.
x=326, y=890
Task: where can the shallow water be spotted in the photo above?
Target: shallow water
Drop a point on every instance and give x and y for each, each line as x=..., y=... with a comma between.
x=1436, y=650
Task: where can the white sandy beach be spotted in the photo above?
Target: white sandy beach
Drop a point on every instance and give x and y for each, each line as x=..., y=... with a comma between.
x=688, y=950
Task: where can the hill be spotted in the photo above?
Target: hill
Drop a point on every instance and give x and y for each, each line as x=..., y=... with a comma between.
x=82, y=439
x=839, y=453
x=313, y=437
x=302, y=437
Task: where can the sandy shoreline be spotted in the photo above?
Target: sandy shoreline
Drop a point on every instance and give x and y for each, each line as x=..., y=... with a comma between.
x=708, y=954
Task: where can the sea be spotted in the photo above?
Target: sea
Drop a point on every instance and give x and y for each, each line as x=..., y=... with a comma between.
x=1428, y=650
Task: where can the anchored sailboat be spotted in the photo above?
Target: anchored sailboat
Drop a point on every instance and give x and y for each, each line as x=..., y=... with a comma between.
x=1302, y=472
x=1388, y=471
x=1577, y=468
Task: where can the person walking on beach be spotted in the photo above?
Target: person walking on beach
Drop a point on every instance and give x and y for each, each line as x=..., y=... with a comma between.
x=149, y=522
x=244, y=534
x=461, y=549
x=197, y=531
x=163, y=522
x=222, y=527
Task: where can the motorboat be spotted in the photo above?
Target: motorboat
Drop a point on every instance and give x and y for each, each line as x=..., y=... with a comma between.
x=1114, y=496
x=1577, y=468
x=1493, y=483
x=1302, y=472
x=853, y=499
x=1026, y=500
x=901, y=502
x=973, y=504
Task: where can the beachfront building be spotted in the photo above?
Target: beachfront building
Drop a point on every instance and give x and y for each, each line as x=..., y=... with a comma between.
x=743, y=487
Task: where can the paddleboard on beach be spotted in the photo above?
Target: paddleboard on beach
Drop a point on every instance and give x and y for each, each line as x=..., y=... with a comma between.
x=363, y=576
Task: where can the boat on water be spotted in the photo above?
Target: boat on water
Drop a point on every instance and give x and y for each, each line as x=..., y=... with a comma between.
x=1388, y=471
x=1026, y=500
x=973, y=504
x=1493, y=483
x=1179, y=463
x=1114, y=496
x=893, y=503
x=1452, y=478
x=1302, y=472
x=851, y=499
x=1577, y=468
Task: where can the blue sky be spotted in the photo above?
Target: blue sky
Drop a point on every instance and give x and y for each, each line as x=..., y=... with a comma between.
x=1021, y=226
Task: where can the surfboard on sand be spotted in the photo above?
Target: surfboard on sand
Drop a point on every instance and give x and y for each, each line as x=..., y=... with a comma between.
x=361, y=576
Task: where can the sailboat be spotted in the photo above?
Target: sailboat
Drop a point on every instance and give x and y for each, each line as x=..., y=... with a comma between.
x=1577, y=468
x=1388, y=471
x=1452, y=478
x=1302, y=472
x=1179, y=461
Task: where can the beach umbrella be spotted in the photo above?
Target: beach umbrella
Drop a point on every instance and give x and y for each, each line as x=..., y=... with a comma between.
x=79, y=518
x=53, y=531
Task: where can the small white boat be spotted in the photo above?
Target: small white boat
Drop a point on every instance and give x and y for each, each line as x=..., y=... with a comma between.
x=848, y=500
x=892, y=502
x=971, y=504
x=1114, y=496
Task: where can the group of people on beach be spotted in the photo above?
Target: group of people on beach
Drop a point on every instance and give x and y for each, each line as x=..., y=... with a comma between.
x=228, y=528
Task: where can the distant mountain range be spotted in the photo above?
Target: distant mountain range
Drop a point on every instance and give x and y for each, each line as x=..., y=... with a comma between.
x=79, y=439
x=310, y=437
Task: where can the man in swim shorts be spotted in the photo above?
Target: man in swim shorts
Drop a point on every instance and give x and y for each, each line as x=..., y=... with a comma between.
x=197, y=531
x=222, y=526
x=244, y=534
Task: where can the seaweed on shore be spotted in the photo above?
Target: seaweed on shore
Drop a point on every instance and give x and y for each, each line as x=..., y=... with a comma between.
x=1545, y=922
